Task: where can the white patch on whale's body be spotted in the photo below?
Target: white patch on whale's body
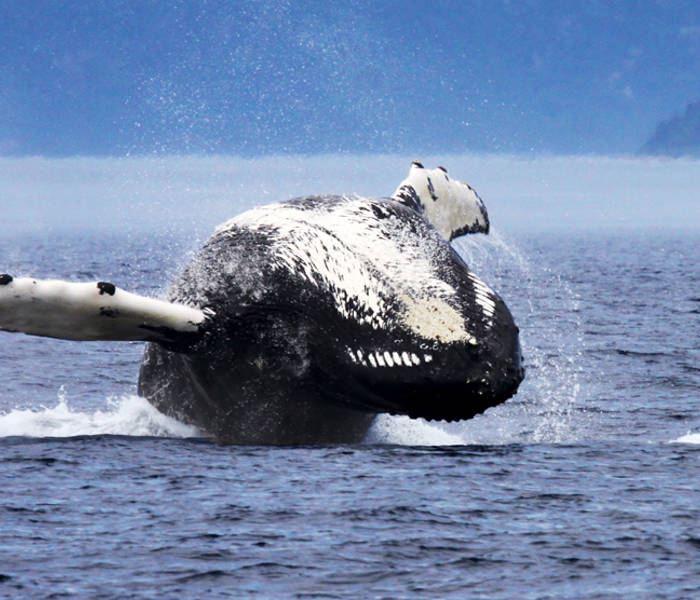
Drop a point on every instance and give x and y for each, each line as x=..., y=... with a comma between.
x=376, y=262
x=435, y=319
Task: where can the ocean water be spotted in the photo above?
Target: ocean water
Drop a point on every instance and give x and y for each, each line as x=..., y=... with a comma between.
x=584, y=485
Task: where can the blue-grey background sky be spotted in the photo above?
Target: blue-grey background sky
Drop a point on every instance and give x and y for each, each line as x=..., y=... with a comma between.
x=124, y=77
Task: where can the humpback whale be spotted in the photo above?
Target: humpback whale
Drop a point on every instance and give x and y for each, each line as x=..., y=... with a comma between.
x=298, y=322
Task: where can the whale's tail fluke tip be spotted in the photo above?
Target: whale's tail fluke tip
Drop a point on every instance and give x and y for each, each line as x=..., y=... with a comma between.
x=94, y=311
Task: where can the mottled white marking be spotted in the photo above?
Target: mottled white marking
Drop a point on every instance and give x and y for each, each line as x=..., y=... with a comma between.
x=428, y=358
x=433, y=318
x=367, y=262
x=83, y=311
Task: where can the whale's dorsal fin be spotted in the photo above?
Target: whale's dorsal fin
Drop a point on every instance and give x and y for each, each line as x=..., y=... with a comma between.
x=93, y=311
x=452, y=207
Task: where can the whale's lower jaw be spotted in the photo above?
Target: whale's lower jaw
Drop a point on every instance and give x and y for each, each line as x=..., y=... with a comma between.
x=447, y=402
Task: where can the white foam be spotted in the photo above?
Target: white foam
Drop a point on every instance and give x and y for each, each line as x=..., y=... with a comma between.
x=129, y=415
x=688, y=438
x=405, y=431
x=501, y=425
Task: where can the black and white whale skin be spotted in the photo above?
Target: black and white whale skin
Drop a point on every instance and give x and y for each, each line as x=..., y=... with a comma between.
x=298, y=322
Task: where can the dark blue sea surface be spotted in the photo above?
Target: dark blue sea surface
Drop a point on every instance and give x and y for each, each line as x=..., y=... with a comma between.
x=585, y=485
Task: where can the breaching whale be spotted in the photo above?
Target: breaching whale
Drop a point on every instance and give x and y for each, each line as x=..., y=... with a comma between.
x=298, y=322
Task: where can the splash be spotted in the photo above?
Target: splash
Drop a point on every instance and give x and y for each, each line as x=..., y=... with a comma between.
x=128, y=415
x=405, y=431
x=689, y=438
x=546, y=309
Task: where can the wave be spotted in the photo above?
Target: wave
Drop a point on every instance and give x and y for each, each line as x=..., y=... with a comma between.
x=404, y=431
x=129, y=416
x=688, y=438
x=134, y=416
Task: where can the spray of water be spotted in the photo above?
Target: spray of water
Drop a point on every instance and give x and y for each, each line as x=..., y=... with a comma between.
x=689, y=438
x=546, y=310
x=128, y=415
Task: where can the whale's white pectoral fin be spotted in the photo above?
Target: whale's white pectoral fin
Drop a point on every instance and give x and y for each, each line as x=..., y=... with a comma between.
x=92, y=311
x=452, y=207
